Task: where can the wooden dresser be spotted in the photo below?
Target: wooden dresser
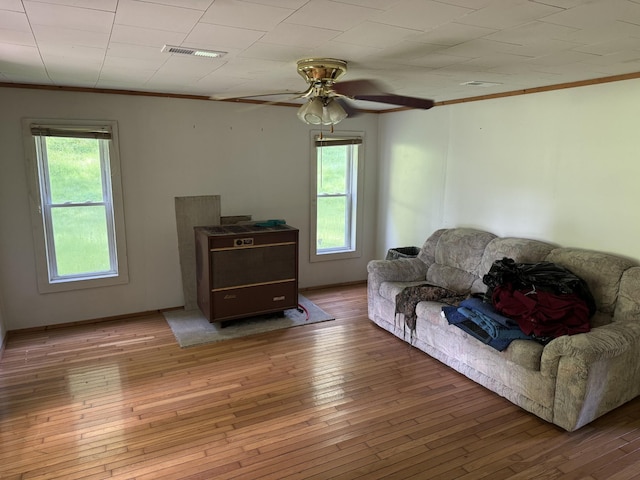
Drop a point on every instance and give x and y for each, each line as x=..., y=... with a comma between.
x=245, y=270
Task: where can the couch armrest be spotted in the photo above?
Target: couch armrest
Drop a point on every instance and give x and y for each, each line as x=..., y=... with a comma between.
x=402, y=270
x=604, y=342
x=595, y=372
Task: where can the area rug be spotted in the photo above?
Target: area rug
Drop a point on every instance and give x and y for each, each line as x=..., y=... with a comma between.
x=190, y=327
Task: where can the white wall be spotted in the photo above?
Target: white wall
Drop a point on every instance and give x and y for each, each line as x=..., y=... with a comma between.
x=3, y=328
x=561, y=166
x=256, y=157
x=413, y=152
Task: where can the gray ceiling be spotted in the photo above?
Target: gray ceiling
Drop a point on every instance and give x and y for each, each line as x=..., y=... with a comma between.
x=416, y=47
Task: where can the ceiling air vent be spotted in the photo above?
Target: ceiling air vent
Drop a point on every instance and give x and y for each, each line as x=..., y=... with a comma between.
x=479, y=83
x=196, y=52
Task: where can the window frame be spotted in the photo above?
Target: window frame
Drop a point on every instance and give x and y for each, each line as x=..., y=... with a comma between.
x=354, y=215
x=47, y=278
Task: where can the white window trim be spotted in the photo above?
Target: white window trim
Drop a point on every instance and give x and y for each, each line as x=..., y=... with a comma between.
x=357, y=208
x=35, y=204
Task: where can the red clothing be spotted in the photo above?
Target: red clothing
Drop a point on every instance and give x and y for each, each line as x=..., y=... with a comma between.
x=542, y=313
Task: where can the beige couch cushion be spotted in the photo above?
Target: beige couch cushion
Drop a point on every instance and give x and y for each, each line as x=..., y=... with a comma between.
x=601, y=271
x=521, y=250
x=457, y=256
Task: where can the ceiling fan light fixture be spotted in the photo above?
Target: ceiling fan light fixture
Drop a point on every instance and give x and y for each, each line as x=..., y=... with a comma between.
x=321, y=111
x=311, y=112
x=333, y=113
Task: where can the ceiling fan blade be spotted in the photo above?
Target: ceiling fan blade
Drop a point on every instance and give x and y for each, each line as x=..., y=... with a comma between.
x=372, y=91
x=412, y=102
x=290, y=95
x=357, y=87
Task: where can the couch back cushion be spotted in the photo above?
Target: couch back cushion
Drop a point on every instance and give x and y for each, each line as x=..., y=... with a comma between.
x=457, y=256
x=428, y=250
x=601, y=271
x=521, y=250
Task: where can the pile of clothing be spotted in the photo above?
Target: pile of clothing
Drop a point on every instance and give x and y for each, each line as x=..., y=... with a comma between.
x=537, y=301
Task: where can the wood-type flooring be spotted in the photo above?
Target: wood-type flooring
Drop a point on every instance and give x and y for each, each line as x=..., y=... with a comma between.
x=337, y=400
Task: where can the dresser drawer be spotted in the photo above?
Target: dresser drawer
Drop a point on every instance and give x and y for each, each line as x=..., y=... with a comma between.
x=254, y=300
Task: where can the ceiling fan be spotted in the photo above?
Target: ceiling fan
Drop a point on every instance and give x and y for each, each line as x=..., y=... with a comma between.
x=329, y=100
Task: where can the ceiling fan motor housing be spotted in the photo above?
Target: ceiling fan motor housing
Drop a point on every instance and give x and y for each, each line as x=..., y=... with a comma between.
x=322, y=71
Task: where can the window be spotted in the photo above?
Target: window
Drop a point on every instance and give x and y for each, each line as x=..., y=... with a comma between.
x=336, y=203
x=77, y=205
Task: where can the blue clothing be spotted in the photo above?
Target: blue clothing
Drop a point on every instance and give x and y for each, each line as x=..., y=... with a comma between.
x=488, y=310
x=483, y=326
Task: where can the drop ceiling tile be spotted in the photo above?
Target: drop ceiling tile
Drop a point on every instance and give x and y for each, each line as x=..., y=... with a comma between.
x=130, y=65
x=494, y=60
x=245, y=15
x=69, y=17
x=15, y=58
x=201, y=5
x=593, y=14
x=124, y=70
x=404, y=52
x=147, y=56
x=73, y=57
x=291, y=4
x=14, y=21
x=159, y=17
x=331, y=15
x=279, y=53
x=220, y=37
x=11, y=5
x=344, y=51
x=619, y=68
x=481, y=46
x=473, y=4
x=370, y=34
x=606, y=31
x=453, y=34
x=617, y=45
x=532, y=32
x=146, y=36
x=222, y=86
x=619, y=60
x=299, y=35
x=17, y=37
x=566, y=4
x=64, y=75
x=106, y=5
x=29, y=76
x=46, y=34
x=561, y=58
x=189, y=67
x=421, y=14
x=508, y=13
x=436, y=60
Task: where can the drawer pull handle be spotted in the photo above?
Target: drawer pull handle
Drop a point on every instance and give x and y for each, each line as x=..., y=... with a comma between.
x=229, y=296
x=279, y=299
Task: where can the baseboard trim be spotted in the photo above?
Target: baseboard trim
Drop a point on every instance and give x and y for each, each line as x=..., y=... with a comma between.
x=147, y=313
x=332, y=285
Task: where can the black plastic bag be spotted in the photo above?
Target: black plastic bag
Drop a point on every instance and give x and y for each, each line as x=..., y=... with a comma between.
x=546, y=276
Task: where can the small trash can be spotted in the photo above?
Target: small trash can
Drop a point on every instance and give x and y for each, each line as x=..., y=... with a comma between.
x=402, y=252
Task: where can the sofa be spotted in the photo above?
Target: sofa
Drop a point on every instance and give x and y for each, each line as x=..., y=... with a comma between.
x=569, y=381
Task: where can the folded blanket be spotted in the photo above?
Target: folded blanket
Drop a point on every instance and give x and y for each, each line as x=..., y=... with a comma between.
x=454, y=317
x=487, y=309
x=493, y=329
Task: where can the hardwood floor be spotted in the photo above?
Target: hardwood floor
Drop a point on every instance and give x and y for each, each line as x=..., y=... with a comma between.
x=335, y=400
